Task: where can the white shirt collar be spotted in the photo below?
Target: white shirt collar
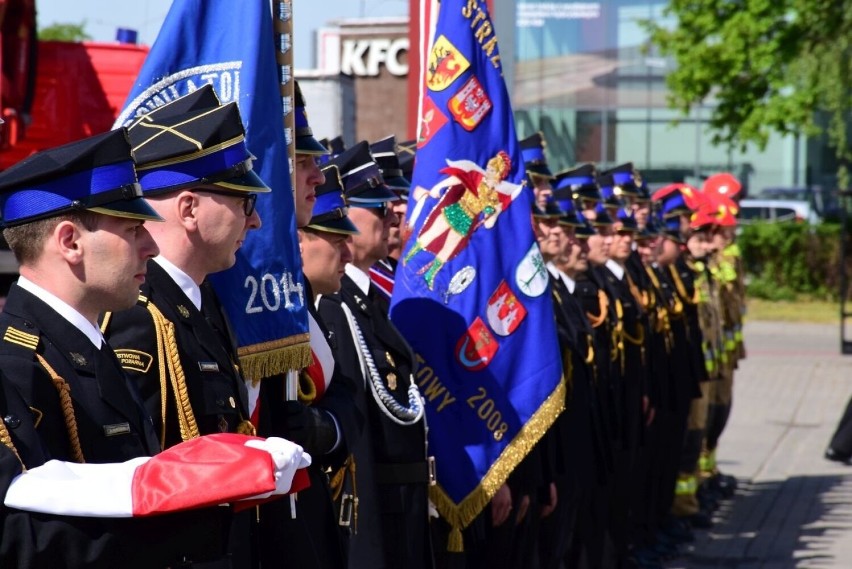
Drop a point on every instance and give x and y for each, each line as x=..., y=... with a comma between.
x=570, y=283
x=553, y=270
x=615, y=269
x=183, y=280
x=92, y=332
x=361, y=278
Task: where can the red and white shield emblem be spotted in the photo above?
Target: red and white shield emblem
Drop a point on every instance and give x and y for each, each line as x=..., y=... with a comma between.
x=505, y=312
x=476, y=348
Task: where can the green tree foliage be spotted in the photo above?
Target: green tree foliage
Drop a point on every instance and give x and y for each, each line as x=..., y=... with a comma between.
x=64, y=32
x=763, y=66
x=786, y=260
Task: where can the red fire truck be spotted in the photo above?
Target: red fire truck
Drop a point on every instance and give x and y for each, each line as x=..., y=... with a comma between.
x=54, y=92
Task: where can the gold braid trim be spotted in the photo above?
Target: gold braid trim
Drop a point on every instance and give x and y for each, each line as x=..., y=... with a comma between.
x=460, y=515
x=267, y=359
x=618, y=335
x=642, y=297
x=639, y=338
x=681, y=289
x=6, y=439
x=67, y=410
x=603, y=306
x=590, y=354
x=167, y=350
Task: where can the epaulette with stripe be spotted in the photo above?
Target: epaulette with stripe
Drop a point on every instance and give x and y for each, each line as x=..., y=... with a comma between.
x=19, y=337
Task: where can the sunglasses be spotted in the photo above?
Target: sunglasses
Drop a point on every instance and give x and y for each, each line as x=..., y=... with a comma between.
x=249, y=200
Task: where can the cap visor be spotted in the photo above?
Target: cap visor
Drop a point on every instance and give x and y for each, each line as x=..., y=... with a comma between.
x=374, y=195
x=249, y=182
x=540, y=170
x=310, y=145
x=340, y=225
x=398, y=183
x=136, y=208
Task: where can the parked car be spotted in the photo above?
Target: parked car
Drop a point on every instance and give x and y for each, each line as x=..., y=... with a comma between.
x=776, y=211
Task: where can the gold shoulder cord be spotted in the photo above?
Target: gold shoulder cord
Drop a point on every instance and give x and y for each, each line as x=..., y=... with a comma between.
x=6, y=439
x=167, y=352
x=618, y=335
x=603, y=306
x=681, y=289
x=642, y=297
x=67, y=410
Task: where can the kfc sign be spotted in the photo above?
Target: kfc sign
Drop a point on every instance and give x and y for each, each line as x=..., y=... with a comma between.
x=362, y=57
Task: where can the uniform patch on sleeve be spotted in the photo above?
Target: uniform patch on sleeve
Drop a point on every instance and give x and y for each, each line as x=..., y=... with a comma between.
x=134, y=360
x=15, y=336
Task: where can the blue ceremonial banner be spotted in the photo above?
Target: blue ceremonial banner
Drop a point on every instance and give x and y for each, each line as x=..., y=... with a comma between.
x=471, y=292
x=231, y=46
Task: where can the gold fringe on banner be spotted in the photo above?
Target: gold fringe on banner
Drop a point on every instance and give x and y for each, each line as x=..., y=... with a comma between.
x=276, y=357
x=459, y=516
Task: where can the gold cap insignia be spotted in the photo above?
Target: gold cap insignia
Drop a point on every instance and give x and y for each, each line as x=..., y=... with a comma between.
x=392, y=380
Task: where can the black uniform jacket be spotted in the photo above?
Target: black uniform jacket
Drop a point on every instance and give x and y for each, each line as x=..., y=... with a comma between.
x=207, y=371
x=392, y=474
x=313, y=539
x=112, y=426
x=584, y=440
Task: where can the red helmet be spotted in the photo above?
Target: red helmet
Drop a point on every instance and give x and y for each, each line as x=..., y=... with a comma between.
x=723, y=184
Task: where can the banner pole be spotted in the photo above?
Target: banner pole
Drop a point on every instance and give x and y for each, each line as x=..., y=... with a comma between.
x=282, y=23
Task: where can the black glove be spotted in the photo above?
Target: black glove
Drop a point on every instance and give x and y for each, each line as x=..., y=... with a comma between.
x=313, y=429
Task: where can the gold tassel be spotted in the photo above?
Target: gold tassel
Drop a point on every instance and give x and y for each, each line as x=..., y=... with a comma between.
x=246, y=428
x=274, y=358
x=455, y=543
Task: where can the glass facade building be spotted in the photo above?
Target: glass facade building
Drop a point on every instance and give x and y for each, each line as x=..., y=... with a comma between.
x=579, y=74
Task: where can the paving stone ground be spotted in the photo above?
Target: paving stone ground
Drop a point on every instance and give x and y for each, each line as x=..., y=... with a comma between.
x=793, y=508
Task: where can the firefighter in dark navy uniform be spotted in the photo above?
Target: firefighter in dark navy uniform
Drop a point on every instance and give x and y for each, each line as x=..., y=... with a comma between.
x=74, y=217
x=208, y=211
x=175, y=343
x=371, y=351
x=309, y=535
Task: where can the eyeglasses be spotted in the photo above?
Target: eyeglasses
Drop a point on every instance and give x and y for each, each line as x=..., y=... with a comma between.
x=382, y=208
x=249, y=200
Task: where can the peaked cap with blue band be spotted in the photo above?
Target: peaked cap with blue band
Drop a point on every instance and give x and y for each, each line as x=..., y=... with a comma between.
x=577, y=183
x=330, y=210
x=570, y=216
x=628, y=221
x=407, y=152
x=205, y=146
x=610, y=192
x=551, y=210
x=94, y=174
x=384, y=153
x=363, y=184
x=202, y=98
x=532, y=151
x=305, y=141
x=602, y=217
x=626, y=178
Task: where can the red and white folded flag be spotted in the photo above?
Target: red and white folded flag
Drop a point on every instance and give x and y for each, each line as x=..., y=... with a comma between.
x=207, y=471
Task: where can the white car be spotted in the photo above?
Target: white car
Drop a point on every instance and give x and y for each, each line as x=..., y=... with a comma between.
x=776, y=211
